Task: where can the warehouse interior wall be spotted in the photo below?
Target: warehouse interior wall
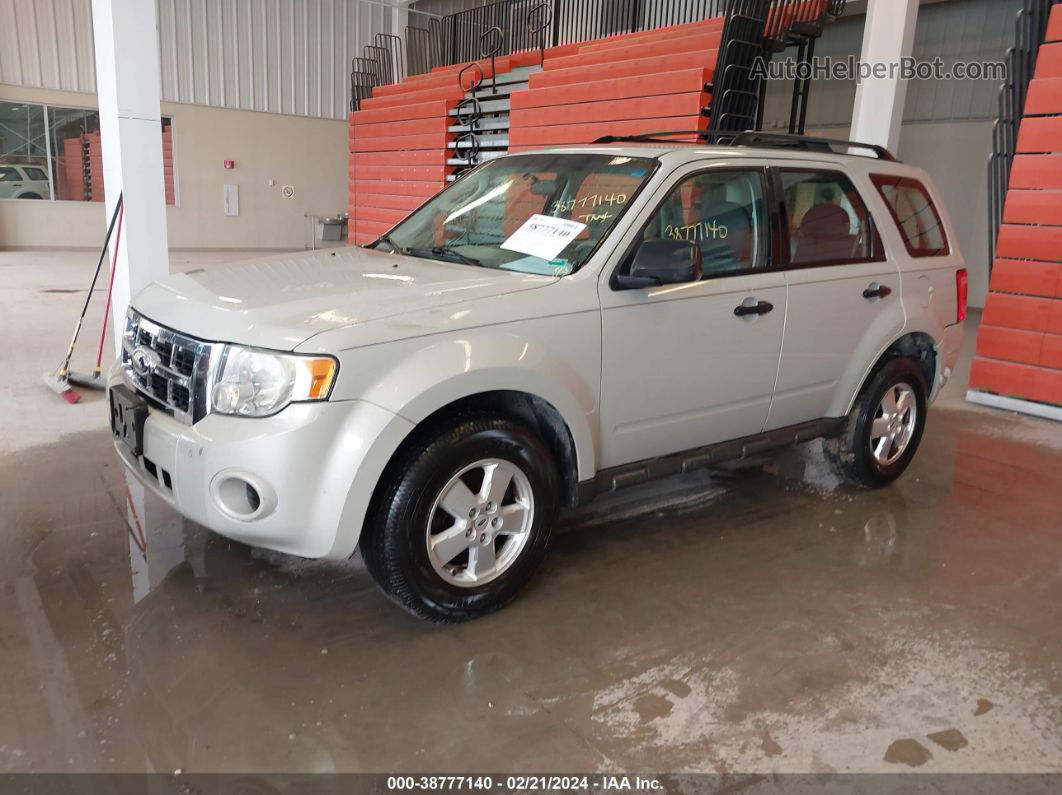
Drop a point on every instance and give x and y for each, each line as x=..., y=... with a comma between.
x=309, y=154
x=263, y=83
x=277, y=56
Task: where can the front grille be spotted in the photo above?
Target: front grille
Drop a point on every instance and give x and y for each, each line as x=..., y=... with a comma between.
x=182, y=398
x=183, y=361
x=159, y=387
x=170, y=369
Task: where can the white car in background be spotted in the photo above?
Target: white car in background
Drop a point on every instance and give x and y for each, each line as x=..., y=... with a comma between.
x=552, y=326
x=23, y=181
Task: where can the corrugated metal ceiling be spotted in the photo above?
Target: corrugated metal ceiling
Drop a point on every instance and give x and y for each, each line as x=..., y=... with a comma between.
x=279, y=56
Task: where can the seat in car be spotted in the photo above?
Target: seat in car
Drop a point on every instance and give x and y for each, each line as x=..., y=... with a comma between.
x=824, y=235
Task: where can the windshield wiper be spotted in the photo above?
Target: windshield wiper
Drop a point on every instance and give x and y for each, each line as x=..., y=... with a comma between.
x=443, y=253
x=397, y=249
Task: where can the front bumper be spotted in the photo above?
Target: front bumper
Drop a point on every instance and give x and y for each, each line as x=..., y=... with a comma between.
x=314, y=466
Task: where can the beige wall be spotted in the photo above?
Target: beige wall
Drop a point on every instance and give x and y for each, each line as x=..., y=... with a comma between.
x=308, y=153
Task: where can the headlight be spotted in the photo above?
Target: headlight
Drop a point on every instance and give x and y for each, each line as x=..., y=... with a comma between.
x=257, y=383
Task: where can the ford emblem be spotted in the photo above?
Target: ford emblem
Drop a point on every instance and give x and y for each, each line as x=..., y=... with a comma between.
x=144, y=361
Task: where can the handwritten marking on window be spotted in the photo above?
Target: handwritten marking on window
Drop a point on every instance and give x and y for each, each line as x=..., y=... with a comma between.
x=697, y=232
x=594, y=200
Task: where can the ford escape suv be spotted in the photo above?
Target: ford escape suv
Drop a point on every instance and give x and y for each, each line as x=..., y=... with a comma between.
x=552, y=326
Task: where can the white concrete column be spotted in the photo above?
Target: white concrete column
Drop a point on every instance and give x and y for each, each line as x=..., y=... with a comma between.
x=399, y=22
x=887, y=39
x=127, y=83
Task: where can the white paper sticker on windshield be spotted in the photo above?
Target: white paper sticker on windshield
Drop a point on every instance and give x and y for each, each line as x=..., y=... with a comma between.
x=543, y=236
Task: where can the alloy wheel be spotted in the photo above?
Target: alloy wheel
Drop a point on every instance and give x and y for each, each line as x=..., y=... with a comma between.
x=894, y=424
x=480, y=522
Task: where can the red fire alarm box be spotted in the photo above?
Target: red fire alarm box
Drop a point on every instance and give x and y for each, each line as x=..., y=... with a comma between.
x=230, y=164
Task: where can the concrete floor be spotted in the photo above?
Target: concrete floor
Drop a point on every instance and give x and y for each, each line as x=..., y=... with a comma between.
x=758, y=620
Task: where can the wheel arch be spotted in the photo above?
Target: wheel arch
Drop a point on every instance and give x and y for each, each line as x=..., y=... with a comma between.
x=916, y=345
x=530, y=409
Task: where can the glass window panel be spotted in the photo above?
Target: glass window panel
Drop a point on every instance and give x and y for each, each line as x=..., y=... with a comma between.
x=721, y=211
x=915, y=215
x=828, y=221
x=70, y=163
x=23, y=143
x=76, y=154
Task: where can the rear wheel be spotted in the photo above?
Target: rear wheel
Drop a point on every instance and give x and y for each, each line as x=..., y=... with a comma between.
x=883, y=431
x=463, y=519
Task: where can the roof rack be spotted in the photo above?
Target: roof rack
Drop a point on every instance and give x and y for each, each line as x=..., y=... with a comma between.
x=806, y=142
x=750, y=138
x=703, y=135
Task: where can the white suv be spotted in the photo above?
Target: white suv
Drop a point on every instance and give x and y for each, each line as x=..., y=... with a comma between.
x=23, y=181
x=552, y=326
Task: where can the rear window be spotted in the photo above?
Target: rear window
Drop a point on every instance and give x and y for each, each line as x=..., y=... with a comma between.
x=915, y=215
x=35, y=174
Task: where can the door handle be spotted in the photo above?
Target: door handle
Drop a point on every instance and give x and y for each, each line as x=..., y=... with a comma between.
x=750, y=308
x=876, y=290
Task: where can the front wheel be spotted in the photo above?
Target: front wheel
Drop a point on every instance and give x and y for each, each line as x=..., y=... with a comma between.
x=885, y=427
x=462, y=519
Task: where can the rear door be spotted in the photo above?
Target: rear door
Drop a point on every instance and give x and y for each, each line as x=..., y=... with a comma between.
x=687, y=365
x=844, y=302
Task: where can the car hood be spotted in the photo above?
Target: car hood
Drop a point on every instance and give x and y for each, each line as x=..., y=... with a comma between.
x=281, y=301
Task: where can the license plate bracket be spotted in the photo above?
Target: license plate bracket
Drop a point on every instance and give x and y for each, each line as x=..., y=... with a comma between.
x=128, y=413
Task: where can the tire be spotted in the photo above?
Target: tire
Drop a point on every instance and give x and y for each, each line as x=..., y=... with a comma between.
x=30, y=196
x=419, y=499
x=865, y=459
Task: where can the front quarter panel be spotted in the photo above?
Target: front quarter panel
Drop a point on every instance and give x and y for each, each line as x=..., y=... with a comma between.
x=554, y=358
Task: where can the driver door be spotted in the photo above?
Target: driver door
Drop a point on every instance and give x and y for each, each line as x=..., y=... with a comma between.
x=687, y=365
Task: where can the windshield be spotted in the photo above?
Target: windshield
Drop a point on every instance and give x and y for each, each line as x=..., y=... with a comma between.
x=540, y=213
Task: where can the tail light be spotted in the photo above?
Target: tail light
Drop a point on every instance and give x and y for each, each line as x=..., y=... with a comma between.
x=962, y=292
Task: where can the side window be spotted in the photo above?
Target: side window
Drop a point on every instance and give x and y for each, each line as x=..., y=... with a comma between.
x=35, y=174
x=8, y=174
x=828, y=221
x=721, y=211
x=915, y=215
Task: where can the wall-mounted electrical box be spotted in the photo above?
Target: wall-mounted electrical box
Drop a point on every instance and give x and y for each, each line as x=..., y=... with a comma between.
x=231, y=200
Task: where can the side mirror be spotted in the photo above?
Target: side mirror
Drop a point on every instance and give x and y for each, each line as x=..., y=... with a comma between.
x=663, y=262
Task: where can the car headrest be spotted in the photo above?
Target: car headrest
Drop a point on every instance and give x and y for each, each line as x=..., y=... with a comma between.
x=825, y=221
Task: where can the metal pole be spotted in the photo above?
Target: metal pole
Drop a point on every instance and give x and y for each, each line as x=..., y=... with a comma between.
x=48, y=150
x=806, y=98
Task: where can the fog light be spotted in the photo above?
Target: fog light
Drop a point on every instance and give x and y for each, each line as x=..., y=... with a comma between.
x=253, y=498
x=242, y=496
